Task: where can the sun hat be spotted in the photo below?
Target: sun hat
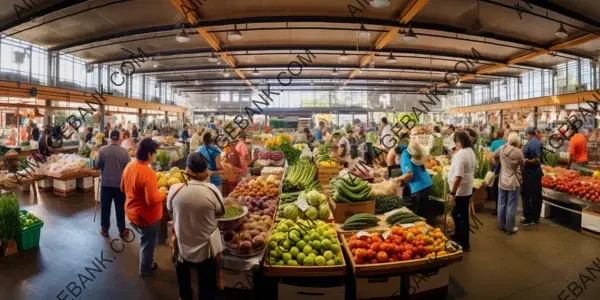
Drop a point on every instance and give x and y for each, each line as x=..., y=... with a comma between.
x=417, y=153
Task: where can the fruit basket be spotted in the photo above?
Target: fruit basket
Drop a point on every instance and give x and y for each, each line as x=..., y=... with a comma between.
x=29, y=236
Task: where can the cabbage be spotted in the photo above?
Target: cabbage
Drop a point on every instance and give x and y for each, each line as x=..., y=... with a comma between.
x=323, y=211
x=315, y=198
x=311, y=213
x=291, y=212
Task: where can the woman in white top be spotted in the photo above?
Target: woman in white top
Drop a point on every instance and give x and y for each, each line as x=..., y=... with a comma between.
x=194, y=207
x=460, y=181
x=127, y=142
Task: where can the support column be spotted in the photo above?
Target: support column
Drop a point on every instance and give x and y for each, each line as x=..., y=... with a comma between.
x=49, y=113
x=101, y=109
x=140, y=117
x=535, y=119
x=144, y=87
x=501, y=119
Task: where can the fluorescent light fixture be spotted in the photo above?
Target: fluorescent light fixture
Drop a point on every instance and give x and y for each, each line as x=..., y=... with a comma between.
x=410, y=35
x=213, y=58
x=334, y=72
x=504, y=83
x=312, y=82
x=561, y=33
x=380, y=3
x=363, y=33
x=182, y=37
x=343, y=56
x=235, y=34
x=255, y=72
x=390, y=59
x=196, y=82
x=156, y=65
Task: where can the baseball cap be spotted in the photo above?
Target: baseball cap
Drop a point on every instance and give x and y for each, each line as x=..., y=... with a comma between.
x=195, y=161
x=530, y=130
x=115, y=135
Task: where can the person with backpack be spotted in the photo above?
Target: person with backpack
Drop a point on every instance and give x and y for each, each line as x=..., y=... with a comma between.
x=194, y=208
x=212, y=154
x=511, y=159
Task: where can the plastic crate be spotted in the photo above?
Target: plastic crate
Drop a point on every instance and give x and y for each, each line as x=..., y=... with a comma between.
x=29, y=237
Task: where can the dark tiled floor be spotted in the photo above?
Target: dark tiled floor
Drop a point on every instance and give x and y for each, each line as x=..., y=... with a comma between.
x=536, y=263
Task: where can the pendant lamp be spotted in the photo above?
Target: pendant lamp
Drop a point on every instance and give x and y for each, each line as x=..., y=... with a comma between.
x=562, y=115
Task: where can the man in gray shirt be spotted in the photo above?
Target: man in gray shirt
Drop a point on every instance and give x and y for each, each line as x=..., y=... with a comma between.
x=112, y=160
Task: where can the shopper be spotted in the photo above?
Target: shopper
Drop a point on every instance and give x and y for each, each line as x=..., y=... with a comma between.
x=310, y=139
x=111, y=161
x=35, y=132
x=472, y=135
x=578, y=147
x=343, y=148
x=393, y=157
x=185, y=134
x=511, y=159
x=320, y=131
x=197, y=138
x=211, y=124
x=419, y=180
x=127, y=142
x=498, y=140
x=212, y=154
x=194, y=208
x=387, y=135
x=242, y=151
x=495, y=145
x=89, y=135
x=134, y=132
x=45, y=142
x=144, y=202
x=107, y=129
x=435, y=145
x=531, y=192
x=460, y=181
x=449, y=141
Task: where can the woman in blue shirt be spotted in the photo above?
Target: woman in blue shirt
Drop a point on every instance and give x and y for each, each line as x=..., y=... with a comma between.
x=320, y=131
x=212, y=154
x=412, y=163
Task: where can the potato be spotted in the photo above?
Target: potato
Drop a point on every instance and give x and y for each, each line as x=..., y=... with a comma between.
x=258, y=241
x=254, y=232
x=245, y=236
x=245, y=245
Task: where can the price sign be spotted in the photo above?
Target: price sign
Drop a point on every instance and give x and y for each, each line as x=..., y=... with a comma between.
x=391, y=212
x=362, y=233
x=407, y=225
x=385, y=234
x=302, y=204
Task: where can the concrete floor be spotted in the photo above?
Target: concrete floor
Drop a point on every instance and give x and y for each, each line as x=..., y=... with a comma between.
x=537, y=263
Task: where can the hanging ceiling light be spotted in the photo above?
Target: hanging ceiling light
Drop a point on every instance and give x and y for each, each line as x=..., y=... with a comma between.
x=562, y=115
x=552, y=116
x=363, y=33
x=380, y=3
x=343, y=56
x=312, y=82
x=410, y=35
x=196, y=82
x=334, y=72
x=561, y=33
x=372, y=64
x=504, y=83
x=544, y=117
x=390, y=59
x=182, y=37
x=213, y=58
x=235, y=34
x=225, y=73
x=255, y=72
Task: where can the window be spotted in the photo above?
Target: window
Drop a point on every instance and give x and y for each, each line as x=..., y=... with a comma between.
x=225, y=97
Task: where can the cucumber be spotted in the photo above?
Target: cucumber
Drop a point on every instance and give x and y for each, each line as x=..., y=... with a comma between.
x=337, y=198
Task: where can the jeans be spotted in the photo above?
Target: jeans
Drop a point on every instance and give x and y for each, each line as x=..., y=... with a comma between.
x=461, y=220
x=107, y=195
x=531, y=194
x=507, y=209
x=420, y=203
x=207, y=279
x=148, y=238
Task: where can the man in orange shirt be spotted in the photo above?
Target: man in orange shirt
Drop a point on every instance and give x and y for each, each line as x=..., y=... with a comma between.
x=578, y=157
x=144, y=202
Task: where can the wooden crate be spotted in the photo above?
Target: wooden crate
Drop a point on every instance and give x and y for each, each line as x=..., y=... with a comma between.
x=342, y=211
x=398, y=266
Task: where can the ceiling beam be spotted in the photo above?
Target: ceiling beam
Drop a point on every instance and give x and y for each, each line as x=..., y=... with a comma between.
x=548, y=5
x=315, y=84
x=356, y=79
x=380, y=89
x=210, y=38
x=408, y=13
x=38, y=14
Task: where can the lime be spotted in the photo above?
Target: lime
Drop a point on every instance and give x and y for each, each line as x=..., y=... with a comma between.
x=316, y=244
x=286, y=244
x=292, y=263
x=328, y=255
x=330, y=262
x=335, y=248
x=301, y=244
x=309, y=261
x=311, y=255
x=315, y=237
x=294, y=235
x=306, y=238
x=294, y=252
x=280, y=263
x=300, y=258
x=338, y=260
x=283, y=228
x=287, y=257
x=320, y=260
x=273, y=253
x=272, y=245
x=307, y=250
x=326, y=243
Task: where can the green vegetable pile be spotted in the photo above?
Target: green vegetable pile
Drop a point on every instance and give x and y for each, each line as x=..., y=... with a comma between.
x=439, y=190
x=403, y=217
x=27, y=219
x=360, y=221
x=163, y=160
x=9, y=217
x=346, y=191
x=551, y=159
x=384, y=204
x=231, y=212
x=300, y=176
x=483, y=166
x=292, y=155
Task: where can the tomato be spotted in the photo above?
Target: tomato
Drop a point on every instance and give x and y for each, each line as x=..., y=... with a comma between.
x=361, y=253
x=375, y=246
x=371, y=253
x=382, y=256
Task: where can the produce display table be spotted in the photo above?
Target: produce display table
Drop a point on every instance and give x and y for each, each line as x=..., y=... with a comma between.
x=66, y=185
x=587, y=216
x=239, y=272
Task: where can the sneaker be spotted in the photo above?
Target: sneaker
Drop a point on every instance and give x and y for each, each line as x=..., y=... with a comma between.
x=515, y=229
x=124, y=233
x=527, y=223
x=536, y=221
x=103, y=233
x=523, y=218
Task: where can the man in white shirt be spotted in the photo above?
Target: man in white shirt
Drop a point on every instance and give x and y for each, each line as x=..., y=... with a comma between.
x=194, y=208
x=387, y=135
x=449, y=141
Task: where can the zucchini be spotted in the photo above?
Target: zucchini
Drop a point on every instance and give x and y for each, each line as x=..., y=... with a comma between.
x=337, y=198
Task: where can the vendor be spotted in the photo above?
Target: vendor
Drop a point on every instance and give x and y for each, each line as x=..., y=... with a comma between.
x=89, y=135
x=578, y=157
x=414, y=173
x=310, y=139
x=212, y=154
x=435, y=145
x=45, y=143
x=449, y=141
x=343, y=148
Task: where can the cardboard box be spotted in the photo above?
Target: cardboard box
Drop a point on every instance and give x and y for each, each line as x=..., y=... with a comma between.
x=85, y=183
x=479, y=195
x=45, y=183
x=424, y=282
x=590, y=220
x=342, y=211
x=292, y=292
x=241, y=280
x=378, y=287
x=64, y=185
